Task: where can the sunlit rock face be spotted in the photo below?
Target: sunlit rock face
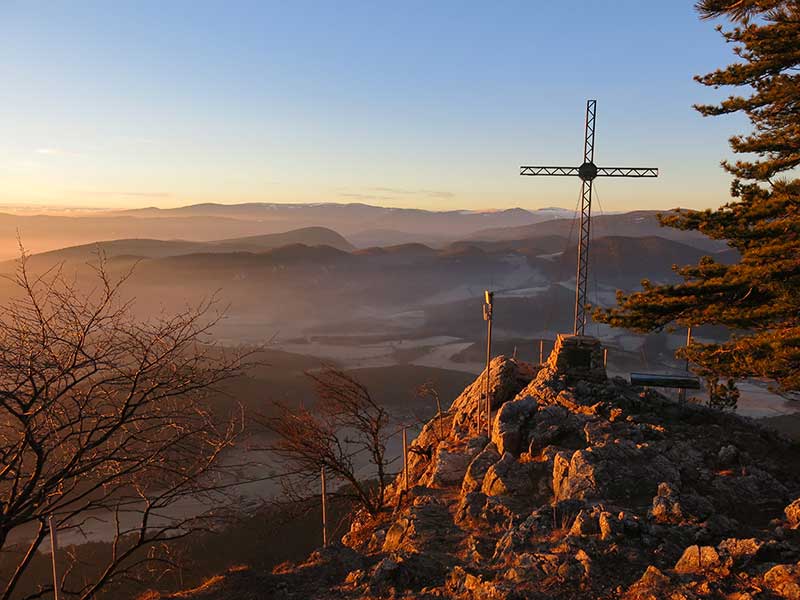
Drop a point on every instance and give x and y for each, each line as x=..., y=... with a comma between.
x=585, y=488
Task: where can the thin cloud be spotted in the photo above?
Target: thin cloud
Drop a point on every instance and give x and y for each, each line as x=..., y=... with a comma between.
x=124, y=193
x=365, y=196
x=53, y=151
x=413, y=192
x=140, y=194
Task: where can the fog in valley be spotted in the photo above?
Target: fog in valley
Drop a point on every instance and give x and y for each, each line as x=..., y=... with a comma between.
x=391, y=296
x=342, y=284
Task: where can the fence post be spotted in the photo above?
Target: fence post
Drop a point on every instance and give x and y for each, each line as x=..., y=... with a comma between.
x=541, y=351
x=54, y=549
x=682, y=391
x=405, y=459
x=324, y=510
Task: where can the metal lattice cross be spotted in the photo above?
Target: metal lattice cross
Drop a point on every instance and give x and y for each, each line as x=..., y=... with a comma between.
x=588, y=171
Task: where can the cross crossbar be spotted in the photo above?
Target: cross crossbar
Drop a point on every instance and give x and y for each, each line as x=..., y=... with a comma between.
x=601, y=171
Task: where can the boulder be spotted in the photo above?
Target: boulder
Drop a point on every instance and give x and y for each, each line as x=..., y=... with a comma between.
x=506, y=477
x=670, y=506
x=470, y=507
x=509, y=430
x=476, y=471
x=740, y=550
x=552, y=424
x=506, y=378
x=585, y=523
x=698, y=560
x=613, y=472
x=792, y=513
x=784, y=581
x=746, y=492
x=448, y=466
x=652, y=585
x=611, y=526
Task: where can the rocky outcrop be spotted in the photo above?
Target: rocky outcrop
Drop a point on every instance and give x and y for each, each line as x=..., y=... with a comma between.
x=587, y=488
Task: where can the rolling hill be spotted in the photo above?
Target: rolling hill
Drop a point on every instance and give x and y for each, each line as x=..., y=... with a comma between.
x=152, y=248
x=624, y=261
x=642, y=223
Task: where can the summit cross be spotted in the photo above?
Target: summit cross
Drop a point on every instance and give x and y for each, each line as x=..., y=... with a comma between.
x=588, y=172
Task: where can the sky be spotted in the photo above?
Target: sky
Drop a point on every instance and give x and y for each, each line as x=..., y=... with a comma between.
x=430, y=104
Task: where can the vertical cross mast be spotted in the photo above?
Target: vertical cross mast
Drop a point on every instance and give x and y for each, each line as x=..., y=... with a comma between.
x=587, y=172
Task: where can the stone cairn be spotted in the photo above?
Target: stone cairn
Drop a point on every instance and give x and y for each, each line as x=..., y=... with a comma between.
x=579, y=358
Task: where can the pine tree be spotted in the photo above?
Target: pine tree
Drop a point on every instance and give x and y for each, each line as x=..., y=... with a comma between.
x=758, y=298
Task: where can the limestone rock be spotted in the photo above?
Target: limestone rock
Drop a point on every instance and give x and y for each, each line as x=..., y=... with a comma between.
x=586, y=523
x=506, y=378
x=784, y=580
x=650, y=586
x=551, y=424
x=448, y=467
x=792, y=513
x=509, y=430
x=587, y=489
x=740, y=549
x=476, y=471
x=616, y=471
x=698, y=559
x=507, y=476
x=670, y=506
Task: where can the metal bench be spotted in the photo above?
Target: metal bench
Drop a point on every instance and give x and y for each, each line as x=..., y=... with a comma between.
x=686, y=382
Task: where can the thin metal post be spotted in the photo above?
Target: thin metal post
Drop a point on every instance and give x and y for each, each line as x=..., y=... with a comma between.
x=54, y=550
x=541, y=352
x=488, y=393
x=682, y=391
x=405, y=459
x=487, y=315
x=324, y=509
x=605, y=357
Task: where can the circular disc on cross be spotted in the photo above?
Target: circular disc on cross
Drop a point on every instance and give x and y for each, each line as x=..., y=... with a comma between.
x=587, y=171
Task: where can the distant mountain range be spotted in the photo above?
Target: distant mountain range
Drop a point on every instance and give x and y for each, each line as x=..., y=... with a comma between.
x=366, y=225
x=150, y=248
x=357, y=217
x=311, y=277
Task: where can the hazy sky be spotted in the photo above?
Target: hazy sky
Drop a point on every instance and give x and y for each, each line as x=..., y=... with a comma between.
x=432, y=104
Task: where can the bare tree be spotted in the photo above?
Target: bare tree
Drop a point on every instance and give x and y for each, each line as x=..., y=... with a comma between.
x=429, y=390
x=345, y=427
x=102, y=417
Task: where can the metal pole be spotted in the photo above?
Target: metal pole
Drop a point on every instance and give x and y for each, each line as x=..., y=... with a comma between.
x=405, y=460
x=688, y=343
x=488, y=365
x=54, y=549
x=682, y=391
x=488, y=316
x=324, y=510
x=541, y=352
